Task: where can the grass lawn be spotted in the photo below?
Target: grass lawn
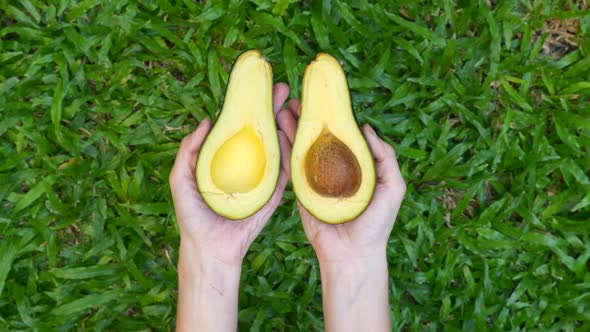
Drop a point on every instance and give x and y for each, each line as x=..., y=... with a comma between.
x=487, y=104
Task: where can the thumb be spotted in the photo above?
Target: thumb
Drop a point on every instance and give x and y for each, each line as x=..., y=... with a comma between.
x=386, y=167
x=186, y=158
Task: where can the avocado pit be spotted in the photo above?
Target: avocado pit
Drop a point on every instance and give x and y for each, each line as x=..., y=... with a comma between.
x=332, y=170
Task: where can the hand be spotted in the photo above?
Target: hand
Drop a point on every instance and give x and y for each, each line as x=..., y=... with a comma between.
x=211, y=247
x=368, y=233
x=206, y=233
x=352, y=256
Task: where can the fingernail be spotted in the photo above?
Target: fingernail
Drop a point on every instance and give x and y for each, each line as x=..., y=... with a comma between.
x=204, y=122
x=371, y=130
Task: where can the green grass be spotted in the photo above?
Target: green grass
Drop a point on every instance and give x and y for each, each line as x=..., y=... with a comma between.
x=491, y=128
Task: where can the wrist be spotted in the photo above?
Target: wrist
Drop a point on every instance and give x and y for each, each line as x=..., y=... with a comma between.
x=196, y=262
x=355, y=276
x=208, y=292
x=349, y=255
x=361, y=267
x=207, y=279
x=355, y=293
x=197, y=251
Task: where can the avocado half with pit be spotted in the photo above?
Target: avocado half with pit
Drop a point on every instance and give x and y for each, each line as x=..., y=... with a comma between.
x=332, y=168
x=238, y=165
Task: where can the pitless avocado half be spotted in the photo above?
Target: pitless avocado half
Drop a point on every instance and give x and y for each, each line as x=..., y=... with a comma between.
x=238, y=165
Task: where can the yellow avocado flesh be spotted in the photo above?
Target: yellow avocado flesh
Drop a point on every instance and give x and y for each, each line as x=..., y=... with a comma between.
x=238, y=165
x=332, y=169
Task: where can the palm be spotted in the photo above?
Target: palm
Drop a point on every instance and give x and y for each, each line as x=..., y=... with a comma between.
x=226, y=239
x=355, y=238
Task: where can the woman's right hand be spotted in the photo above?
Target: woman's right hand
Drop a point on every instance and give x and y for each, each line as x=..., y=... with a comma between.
x=352, y=255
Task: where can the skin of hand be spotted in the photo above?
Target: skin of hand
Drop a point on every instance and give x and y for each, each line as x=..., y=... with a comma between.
x=352, y=255
x=212, y=247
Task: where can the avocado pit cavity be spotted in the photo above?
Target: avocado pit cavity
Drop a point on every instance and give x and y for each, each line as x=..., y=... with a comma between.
x=238, y=165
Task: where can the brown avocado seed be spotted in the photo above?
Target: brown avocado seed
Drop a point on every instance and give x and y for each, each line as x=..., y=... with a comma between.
x=331, y=169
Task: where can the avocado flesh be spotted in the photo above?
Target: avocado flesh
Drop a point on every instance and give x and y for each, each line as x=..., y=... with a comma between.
x=332, y=168
x=238, y=165
x=229, y=173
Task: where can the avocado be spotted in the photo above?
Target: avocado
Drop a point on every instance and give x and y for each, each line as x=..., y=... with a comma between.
x=332, y=168
x=238, y=165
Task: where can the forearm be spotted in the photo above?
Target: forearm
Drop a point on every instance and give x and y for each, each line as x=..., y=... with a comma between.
x=355, y=294
x=207, y=293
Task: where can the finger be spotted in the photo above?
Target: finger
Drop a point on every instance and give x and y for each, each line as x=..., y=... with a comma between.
x=280, y=93
x=287, y=124
x=285, y=153
x=253, y=225
x=306, y=221
x=311, y=226
x=277, y=196
x=261, y=217
x=386, y=166
x=191, y=145
x=186, y=158
x=294, y=106
x=182, y=176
